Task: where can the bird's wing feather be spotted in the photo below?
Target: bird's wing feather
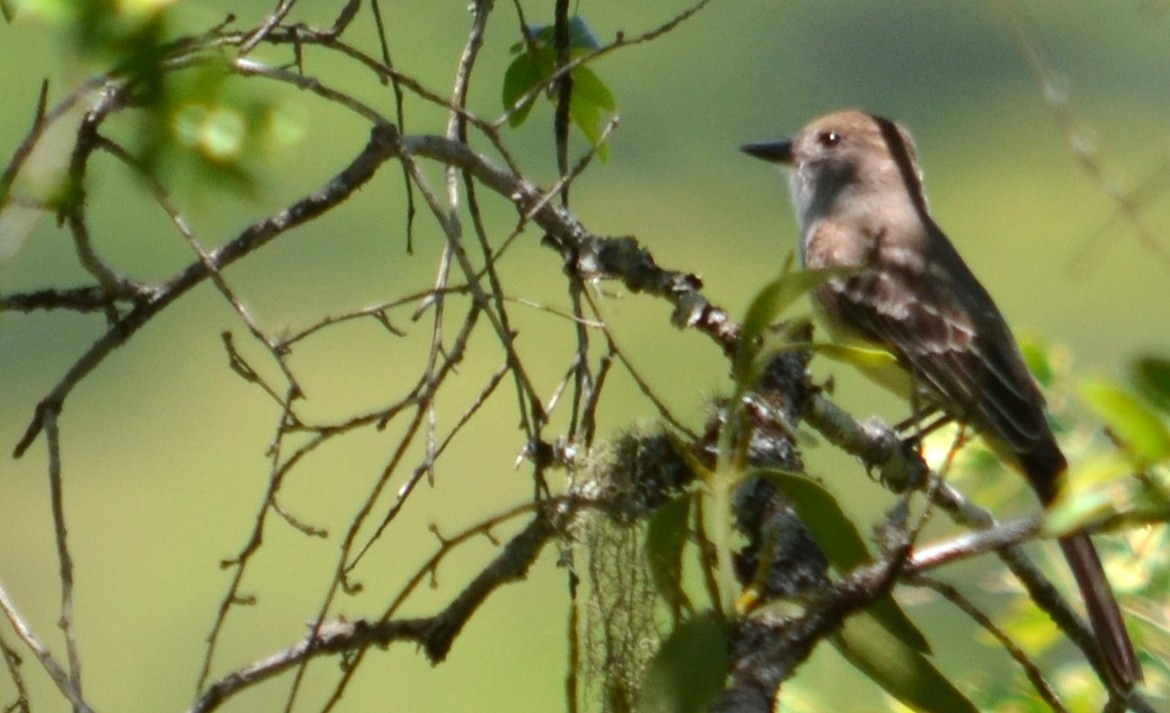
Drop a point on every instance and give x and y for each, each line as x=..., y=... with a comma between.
x=948, y=332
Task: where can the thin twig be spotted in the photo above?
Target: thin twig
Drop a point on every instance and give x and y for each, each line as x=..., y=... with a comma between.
x=64, y=558
x=618, y=43
x=381, y=147
x=283, y=7
x=56, y=672
x=41, y=123
x=435, y=633
x=1081, y=146
x=430, y=458
x=12, y=663
x=1031, y=670
x=162, y=197
x=880, y=448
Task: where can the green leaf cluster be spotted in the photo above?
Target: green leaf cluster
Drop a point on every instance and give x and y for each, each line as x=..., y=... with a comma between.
x=1137, y=419
x=129, y=35
x=534, y=67
x=192, y=116
x=224, y=127
x=1134, y=421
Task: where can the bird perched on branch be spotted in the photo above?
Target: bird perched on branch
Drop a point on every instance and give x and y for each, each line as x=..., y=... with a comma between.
x=857, y=188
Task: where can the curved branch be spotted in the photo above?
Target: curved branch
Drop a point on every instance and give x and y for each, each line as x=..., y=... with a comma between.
x=435, y=634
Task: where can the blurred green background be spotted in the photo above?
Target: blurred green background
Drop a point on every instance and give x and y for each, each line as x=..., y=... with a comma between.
x=164, y=447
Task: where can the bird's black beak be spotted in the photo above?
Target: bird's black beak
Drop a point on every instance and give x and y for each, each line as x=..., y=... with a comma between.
x=771, y=151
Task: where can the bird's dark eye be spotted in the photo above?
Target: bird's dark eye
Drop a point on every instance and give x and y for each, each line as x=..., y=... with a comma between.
x=828, y=139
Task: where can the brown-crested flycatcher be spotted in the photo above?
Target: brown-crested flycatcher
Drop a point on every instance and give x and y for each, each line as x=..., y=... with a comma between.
x=857, y=188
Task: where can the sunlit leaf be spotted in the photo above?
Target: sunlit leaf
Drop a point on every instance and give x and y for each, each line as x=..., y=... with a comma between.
x=588, y=118
x=1029, y=626
x=689, y=669
x=285, y=125
x=1144, y=434
x=1092, y=493
x=900, y=670
x=863, y=358
x=222, y=134
x=144, y=6
x=1151, y=375
x=1097, y=471
x=1074, y=513
x=52, y=10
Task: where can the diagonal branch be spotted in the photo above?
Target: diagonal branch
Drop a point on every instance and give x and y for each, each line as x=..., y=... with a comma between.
x=381, y=147
x=435, y=634
x=879, y=448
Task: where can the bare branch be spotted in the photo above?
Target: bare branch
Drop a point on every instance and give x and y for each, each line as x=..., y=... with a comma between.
x=1031, y=670
x=60, y=676
x=435, y=634
x=382, y=146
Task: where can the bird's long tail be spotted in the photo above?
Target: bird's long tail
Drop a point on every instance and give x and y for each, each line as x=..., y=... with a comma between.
x=1104, y=614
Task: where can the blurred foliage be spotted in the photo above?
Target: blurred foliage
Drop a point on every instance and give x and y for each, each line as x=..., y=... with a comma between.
x=195, y=120
x=219, y=129
x=1119, y=476
x=129, y=37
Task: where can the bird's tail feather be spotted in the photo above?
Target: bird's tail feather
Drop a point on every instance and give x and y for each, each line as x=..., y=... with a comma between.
x=1104, y=614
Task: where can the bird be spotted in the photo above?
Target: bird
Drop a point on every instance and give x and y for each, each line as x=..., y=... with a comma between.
x=857, y=188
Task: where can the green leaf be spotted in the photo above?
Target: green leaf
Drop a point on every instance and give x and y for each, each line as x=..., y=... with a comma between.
x=666, y=536
x=688, y=671
x=587, y=86
x=903, y=672
x=842, y=543
x=863, y=358
x=769, y=302
x=591, y=101
x=7, y=10
x=587, y=117
x=1074, y=513
x=777, y=296
x=536, y=63
x=820, y=511
x=790, y=335
x=1141, y=430
x=1151, y=376
x=53, y=10
x=523, y=74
